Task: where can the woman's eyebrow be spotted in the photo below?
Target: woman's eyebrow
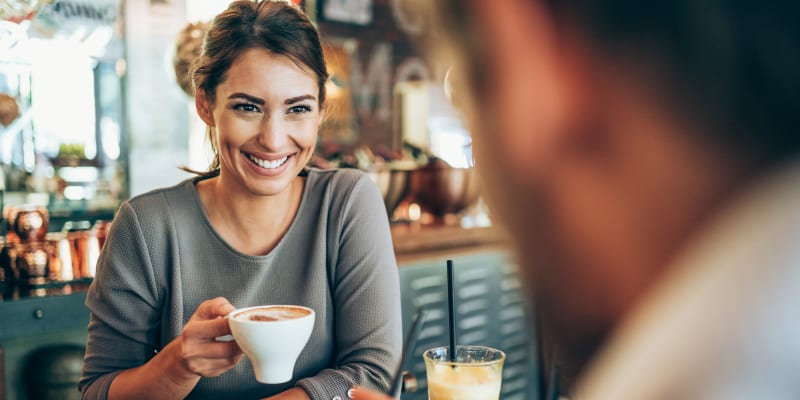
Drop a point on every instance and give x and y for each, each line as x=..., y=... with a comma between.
x=293, y=100
x=239, y=95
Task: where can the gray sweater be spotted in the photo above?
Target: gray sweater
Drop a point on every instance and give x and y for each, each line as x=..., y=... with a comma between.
x=163, y=258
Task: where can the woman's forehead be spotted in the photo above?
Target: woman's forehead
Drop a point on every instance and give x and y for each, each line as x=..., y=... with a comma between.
x=262, y=70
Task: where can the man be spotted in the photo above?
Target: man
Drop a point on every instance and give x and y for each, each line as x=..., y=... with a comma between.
x=644, y=156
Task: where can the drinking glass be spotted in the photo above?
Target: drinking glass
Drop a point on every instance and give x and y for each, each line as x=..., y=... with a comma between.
x=476, y=373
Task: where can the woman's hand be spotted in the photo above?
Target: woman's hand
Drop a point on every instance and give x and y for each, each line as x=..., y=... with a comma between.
x=177, y=368
x=360, y=393
x=200, y=352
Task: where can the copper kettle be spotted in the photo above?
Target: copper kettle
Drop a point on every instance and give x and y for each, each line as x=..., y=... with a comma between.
x=74, y=251
x=27, y=223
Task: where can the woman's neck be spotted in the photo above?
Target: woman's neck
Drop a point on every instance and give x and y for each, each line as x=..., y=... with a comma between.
x=252, y=224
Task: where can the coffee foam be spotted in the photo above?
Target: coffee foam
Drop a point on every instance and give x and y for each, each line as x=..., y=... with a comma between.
x=274, y=313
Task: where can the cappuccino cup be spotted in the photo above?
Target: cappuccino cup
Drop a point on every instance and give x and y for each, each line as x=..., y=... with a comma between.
x=272, y=338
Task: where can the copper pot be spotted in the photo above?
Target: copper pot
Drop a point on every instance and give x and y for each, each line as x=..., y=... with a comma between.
x=27, y=223
x=73, y=252
x=79, y=251
x=82, y=242
x=32, y=264
x=442, y=190
x=60, y=257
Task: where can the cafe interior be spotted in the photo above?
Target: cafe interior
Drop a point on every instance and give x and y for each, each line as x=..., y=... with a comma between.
x=96, y=107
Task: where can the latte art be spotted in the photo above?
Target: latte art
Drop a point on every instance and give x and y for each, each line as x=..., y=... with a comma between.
x=275, y=313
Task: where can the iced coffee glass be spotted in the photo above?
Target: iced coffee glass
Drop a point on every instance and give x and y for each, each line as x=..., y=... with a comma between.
x=476, y=373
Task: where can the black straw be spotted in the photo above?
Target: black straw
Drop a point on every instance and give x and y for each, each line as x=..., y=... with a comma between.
x=451, y=301
x=409, y=345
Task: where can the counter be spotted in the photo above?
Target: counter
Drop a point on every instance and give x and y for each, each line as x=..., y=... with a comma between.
x=31, y=322
x=413, y=242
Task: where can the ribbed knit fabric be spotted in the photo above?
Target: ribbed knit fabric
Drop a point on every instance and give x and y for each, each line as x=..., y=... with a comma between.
x=162, y=258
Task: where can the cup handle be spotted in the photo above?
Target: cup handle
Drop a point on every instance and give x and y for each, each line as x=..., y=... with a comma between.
x=225, y=338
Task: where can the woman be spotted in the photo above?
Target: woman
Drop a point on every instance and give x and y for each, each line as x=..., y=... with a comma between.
x=257, y=228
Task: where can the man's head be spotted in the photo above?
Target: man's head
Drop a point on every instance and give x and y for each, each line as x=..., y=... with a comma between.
x=610, y=130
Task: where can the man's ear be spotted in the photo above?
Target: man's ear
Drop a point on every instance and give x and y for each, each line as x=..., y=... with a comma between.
x=203, y=107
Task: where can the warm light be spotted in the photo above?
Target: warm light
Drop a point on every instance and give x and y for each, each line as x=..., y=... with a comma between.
x=78, y=174
x=75, y=193
x=414, y=212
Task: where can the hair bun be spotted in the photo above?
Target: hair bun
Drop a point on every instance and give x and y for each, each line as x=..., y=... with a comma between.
x=188, y=46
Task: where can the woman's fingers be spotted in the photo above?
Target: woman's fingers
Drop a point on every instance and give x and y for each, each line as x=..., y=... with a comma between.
x=213, y=366
x=207, y=330
x=207, y=324
x=201, y=352
x=212, y=309
x=212, y=350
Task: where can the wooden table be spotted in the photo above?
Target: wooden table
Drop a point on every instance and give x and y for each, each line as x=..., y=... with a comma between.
x=412, y=242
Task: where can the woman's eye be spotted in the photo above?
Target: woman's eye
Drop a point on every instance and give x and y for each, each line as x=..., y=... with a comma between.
x=299, y=109
x=246, y=107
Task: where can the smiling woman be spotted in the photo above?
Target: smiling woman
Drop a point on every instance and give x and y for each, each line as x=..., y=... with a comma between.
x=265, y=122
x=258, y=227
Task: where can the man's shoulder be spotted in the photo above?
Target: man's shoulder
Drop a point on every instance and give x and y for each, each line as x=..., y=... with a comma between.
x=722, y=322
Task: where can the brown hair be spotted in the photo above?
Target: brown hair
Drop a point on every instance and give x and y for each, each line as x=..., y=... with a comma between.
x=277, y=26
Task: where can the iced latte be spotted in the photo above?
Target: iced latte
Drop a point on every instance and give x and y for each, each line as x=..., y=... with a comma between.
x=475, y=374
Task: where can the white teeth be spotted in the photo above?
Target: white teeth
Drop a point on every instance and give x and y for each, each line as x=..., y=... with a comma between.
x=266, y=163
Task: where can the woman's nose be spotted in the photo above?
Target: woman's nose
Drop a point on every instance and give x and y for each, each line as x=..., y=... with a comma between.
x=271, y=133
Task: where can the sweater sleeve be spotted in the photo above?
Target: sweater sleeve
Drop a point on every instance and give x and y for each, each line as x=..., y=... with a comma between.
x=123, y=305
x=366, y=297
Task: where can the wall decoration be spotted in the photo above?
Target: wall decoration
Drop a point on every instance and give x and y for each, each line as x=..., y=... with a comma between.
x=340, y=125
x=188, y=46
x=379, y=55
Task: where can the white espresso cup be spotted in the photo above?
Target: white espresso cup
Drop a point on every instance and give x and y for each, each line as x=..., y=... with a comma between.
x=272, y=338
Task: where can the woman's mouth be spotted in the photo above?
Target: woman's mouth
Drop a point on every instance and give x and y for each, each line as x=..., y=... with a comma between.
x=267, y=164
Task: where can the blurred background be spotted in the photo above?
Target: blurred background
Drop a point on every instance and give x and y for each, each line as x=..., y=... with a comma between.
x=96, y=107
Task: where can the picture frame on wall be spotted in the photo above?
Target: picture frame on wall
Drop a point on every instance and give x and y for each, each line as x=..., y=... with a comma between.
x=341, y=124
x=357, y=12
